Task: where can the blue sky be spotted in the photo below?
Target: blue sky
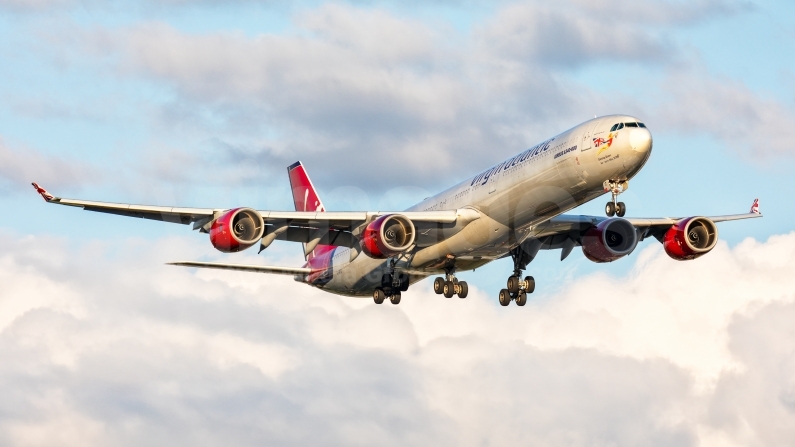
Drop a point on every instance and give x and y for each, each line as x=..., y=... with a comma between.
x=205, y=104
x=70, y=95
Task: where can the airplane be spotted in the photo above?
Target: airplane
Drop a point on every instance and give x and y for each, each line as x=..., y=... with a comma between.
x=512, y=209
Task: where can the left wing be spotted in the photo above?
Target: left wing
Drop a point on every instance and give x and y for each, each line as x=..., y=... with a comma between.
x=566, y=231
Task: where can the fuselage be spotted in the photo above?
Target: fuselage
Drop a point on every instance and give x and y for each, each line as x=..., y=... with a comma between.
x=514, y=199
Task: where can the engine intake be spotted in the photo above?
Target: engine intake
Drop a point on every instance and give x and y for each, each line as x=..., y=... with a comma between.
x=690, y=238
x=387, y=236
x=236, y=230
x=611, y=239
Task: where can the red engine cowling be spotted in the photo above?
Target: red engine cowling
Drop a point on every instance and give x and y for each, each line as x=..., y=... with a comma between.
x=690, y=238
x=610, y=240
x=236, y=230
x=387, y=236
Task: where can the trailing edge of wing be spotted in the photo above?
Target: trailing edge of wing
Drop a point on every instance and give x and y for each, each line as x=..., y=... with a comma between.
x=246, y=268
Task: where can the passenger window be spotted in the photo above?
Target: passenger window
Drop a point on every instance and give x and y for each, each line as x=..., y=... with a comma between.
x=613, y=129
x=642, y=125
x=632, y=124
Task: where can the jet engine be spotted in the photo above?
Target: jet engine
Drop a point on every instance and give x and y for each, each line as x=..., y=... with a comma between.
x=236, y=230
x=690, y=238
x=387, y=236
x=611, y=239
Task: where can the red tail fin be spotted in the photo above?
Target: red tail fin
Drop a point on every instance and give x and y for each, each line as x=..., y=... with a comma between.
x=306, y=199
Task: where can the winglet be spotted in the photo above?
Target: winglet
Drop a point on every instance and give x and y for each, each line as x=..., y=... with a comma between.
x=44, y=194
x=755, y=207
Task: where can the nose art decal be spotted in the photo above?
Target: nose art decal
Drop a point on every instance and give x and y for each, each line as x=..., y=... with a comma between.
x=604, y=144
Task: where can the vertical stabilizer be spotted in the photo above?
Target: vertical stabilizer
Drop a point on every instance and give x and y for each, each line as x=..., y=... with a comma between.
x=306, y=199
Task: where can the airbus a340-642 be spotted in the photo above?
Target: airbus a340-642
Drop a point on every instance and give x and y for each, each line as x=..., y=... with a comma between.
x=514, y=208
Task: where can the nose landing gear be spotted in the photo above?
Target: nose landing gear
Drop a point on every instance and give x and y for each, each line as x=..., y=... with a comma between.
x=615, y=187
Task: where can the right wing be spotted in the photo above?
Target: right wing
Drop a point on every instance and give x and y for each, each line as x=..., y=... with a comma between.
x=295, y=226
x=246, y=268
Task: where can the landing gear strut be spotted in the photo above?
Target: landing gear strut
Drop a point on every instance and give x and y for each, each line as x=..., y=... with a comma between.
x=392, y=284
x=517, y=289
x=450, y=285
x=614, y=207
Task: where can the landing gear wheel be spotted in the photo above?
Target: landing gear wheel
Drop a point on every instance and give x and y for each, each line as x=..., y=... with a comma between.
x=438, y=285
x=394, y=298
x=448, y=289
x=521, y=298
x=513, y=284
x=530, y=284
x=463, y=289
x=378, y=296
x=621, y=209
x=610, y=209
x=505, y=297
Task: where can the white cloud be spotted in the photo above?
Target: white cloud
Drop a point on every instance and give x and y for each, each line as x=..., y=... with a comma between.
x=753, y=124
x=19, y=166
x=124, y=350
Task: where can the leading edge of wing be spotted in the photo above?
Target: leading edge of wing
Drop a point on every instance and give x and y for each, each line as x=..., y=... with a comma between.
x=245, y=267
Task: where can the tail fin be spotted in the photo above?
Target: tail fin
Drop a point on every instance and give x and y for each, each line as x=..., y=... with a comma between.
x=306, y=199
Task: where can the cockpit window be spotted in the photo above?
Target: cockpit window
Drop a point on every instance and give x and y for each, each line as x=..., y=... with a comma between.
x=613, y=129
x=642, y=125
x=620, y=126
x=631, y=124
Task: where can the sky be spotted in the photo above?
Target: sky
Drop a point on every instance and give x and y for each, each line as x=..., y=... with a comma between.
x=205, y=103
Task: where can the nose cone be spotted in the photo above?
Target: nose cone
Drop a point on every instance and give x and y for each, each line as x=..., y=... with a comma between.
x=640, y=140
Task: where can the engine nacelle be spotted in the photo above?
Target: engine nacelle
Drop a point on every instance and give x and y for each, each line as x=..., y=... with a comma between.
x=236, y=230
x=610, y=240
x=690, y=238
x=388, y=236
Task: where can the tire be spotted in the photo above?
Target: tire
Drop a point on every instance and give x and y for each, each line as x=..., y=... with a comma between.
x=610, y=209
x=438, y=285
x=505, y=297
x=513, y=284
x=378, y=296
x=463, y=289
x=531, y=284
x=404, y=282
x=621, y=209
x=448, y=289
x=521, y=298
x=394, y=298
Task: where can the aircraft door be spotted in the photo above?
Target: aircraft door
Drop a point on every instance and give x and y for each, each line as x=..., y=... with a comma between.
x=587, y=137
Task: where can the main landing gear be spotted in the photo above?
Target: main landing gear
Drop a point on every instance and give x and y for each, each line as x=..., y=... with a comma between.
x=517, y=289
x=615, y=208
x=392, y=284
x=450, y=286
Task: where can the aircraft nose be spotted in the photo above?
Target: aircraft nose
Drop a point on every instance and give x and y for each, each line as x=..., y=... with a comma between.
x=640, y=140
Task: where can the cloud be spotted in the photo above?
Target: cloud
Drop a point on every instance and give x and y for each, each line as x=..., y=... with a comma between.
x=21, y=166
x=106, y=345
x=731, y=112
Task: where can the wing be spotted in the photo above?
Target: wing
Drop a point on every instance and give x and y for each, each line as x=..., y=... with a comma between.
x=338, y=227
x=566, y=231
x=246, y=268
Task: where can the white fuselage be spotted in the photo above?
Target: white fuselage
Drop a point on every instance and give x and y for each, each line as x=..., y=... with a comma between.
x=514, y=198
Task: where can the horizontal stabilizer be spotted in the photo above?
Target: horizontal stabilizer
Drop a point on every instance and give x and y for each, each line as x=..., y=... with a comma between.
x=246, y=268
